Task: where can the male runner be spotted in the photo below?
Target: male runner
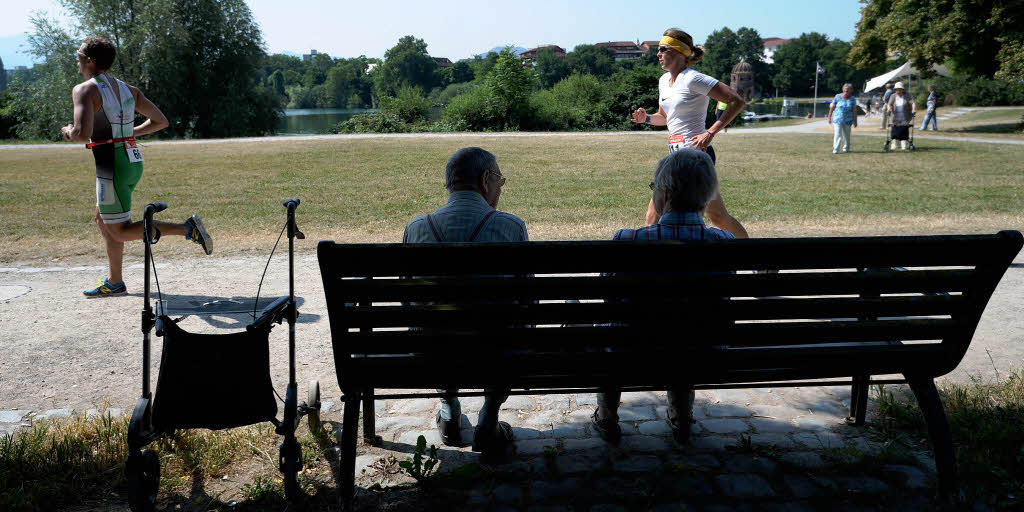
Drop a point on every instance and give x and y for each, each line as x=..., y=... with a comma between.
x=105, y=116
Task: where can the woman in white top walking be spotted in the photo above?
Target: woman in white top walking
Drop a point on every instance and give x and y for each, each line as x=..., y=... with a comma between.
x=683, y=107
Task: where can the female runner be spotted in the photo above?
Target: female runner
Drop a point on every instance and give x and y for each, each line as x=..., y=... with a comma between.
x=683, y=107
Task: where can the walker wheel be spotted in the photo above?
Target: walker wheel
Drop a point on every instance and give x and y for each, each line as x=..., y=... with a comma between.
x=313, y=406
x=143, y=475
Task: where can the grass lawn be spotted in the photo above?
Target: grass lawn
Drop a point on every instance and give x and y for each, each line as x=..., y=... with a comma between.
x=564, y=187
x=988, y=123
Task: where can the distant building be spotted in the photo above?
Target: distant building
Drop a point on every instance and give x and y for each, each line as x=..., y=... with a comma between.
x=531, y=54
x=771, y=44
x=443, y=62
x=647, y=45
x=624, y=50
x=308, y=57
x=742, y=80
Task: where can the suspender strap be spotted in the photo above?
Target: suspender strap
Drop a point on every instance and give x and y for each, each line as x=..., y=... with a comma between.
x=481, y=225
x=109, y=141
x=433, y=230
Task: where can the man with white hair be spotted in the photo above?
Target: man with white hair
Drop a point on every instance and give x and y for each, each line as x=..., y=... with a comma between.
x=474, y=184
x=684, y=183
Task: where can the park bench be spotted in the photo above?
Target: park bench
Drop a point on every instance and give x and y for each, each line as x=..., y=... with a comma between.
x=570, y=317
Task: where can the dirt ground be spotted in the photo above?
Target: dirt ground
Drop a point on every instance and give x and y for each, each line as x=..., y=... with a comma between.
x=60, y=350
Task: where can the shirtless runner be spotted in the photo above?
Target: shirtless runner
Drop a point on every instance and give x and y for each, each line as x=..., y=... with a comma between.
x=104, y=117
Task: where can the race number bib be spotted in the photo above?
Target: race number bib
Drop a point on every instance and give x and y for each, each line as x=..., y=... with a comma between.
x=675, y=143
x=134, y=155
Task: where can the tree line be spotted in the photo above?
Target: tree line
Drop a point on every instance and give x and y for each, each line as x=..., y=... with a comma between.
x=204, y=63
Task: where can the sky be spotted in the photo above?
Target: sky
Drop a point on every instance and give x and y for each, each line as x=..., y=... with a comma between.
x=461, y=28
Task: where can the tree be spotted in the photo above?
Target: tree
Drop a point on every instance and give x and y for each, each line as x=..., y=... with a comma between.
x=550, y=68
x=482, y=66
x=838, y=71
x=42, y=95
x=589, y=59
x=971, y=34
x=725, y=48
x=340, y=84
x=405, y=64
x=200, y=61
x=3, y=76
x=317, y=69
x=794, y=63
x=509, y=86
x=457, y=73
x=276, y=82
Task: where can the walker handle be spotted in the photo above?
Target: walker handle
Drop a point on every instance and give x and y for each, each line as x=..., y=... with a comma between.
x=156, y=206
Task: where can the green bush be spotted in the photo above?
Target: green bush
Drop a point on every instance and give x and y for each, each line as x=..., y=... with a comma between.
x=380, y=122
x=410, y=106
x=468, y=111
x=441, y=97
x=979, y=92
x=627, y=91
x=8, y=121
x=575, y=103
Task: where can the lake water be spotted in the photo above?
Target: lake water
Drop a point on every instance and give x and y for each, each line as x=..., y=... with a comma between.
x=315, y=120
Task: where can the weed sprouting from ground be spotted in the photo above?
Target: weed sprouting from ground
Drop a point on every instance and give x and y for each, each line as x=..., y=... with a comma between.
x=987, y=425
x=422, y=463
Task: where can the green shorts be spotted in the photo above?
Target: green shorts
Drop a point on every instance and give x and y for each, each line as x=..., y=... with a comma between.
x=116, y=178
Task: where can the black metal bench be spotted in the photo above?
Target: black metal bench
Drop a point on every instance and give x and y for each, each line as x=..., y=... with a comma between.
x=837, y=313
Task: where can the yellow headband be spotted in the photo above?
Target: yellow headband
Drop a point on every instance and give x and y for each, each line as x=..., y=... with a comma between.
x=676, y=45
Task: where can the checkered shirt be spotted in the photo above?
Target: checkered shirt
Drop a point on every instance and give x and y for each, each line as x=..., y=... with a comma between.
x=457, y=220
x=675, y=226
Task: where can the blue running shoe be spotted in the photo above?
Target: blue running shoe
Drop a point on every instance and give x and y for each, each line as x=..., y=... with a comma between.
x=106, y=289
x=197, y=234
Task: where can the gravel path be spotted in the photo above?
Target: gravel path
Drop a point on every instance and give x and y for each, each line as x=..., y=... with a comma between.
x=818, y=126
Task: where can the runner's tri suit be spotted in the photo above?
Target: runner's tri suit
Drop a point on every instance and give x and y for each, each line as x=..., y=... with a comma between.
x=685, y=103
x=117, y=171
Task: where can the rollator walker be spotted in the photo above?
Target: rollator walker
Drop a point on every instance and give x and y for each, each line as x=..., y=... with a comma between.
x=235, y=366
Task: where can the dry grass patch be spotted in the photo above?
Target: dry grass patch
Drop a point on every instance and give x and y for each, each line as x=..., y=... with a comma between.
x=565, y=187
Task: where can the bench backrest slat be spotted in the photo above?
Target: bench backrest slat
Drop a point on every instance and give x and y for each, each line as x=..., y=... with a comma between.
x=424, y=301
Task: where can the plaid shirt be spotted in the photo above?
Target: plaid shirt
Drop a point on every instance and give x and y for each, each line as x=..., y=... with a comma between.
x=675, y=226
x=461, y=217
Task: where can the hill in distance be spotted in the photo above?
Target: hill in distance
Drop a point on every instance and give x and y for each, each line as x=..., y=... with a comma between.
x=497, y=49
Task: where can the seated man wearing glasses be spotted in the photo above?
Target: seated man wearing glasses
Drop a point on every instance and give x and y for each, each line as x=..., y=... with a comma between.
x=474, y=184
x=684, y=183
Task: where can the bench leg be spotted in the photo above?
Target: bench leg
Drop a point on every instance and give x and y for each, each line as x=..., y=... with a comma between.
x=347, y=440
x=370, y=436
x=938, y=432
x=858, y=401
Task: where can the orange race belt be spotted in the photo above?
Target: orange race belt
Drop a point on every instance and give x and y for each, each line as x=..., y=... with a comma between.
x=676, y=139
x=109, y=141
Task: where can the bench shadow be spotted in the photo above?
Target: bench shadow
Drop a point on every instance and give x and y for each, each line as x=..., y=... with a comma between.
x=224, y=312
x=648, y=470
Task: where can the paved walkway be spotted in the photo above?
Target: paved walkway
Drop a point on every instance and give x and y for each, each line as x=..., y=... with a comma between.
x=818, y=126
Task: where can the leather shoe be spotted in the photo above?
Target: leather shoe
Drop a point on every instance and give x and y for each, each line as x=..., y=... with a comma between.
x=449, y=430
x=608, y=429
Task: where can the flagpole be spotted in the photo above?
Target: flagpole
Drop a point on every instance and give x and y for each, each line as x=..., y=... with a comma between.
x=816, y=68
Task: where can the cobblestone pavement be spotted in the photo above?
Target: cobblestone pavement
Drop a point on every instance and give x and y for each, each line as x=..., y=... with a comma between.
x=757, y=449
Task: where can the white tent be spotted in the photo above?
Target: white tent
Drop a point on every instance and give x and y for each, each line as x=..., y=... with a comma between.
x=904, y=70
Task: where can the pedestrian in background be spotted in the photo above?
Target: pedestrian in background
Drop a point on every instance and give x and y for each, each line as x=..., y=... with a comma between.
x=929, y=114
x=842, y=115
x=885, y=102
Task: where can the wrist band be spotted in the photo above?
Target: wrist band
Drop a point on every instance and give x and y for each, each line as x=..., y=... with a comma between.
x=648, y=121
